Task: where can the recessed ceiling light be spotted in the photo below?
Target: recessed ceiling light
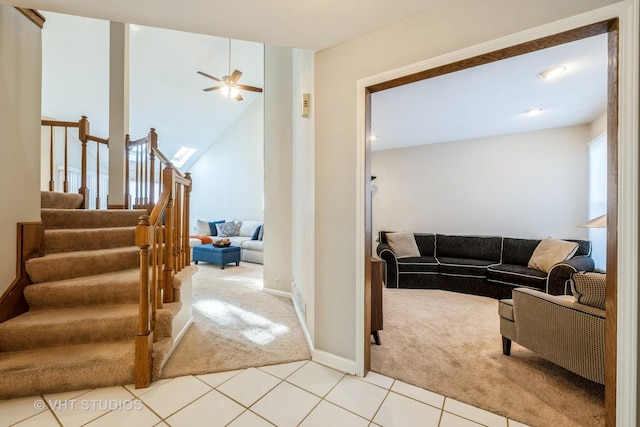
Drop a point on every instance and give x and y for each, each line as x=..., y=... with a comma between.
x=532, y=111
x=552, y=73
x=373, y=137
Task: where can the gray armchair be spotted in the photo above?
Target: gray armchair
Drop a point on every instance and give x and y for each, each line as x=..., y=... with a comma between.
x=559, y=328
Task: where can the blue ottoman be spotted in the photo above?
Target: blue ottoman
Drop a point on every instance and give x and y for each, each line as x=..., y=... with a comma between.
x=216, y=255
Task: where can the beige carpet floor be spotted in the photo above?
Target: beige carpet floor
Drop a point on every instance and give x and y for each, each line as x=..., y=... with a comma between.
x=450, y=343
x=236, y=325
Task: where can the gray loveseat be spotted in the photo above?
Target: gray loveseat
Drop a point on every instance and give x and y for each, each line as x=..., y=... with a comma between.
x=482, y=265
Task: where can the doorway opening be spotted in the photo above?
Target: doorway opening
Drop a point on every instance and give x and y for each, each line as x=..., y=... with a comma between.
x=609, y=27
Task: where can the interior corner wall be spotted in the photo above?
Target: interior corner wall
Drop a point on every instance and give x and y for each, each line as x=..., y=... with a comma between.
x=444, y=28
x=303, y=190
x=527, y=185
x=278, y=129
x=598, y=126
x=228, y=179
x=20, y=99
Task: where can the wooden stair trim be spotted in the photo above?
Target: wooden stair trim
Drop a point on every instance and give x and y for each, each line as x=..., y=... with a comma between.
x=30, y=244
x=33, y=16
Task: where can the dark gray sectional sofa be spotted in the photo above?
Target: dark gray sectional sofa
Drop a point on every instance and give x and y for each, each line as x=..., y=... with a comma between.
x=482, y=265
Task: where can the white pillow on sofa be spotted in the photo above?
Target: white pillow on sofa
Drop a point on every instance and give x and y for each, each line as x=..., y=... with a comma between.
x=248, y=228
x=549, y=252
x=403, y=244
x=202, y=228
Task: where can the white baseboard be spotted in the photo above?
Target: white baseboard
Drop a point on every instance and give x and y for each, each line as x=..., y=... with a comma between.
x=277, y=292
x=334, y=361
x=303, y=325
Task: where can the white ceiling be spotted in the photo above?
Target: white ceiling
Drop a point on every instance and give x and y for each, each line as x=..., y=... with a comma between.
x=313, y=25
x=490, y=99
x=165, y=91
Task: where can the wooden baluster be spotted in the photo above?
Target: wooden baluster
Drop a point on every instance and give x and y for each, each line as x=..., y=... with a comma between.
x=51, y=182
x=153, y=141
x=66, y=160
x=168, y=273
x=187, y=215
x=177, y=229
x=144, y=339
x=97, y=175
x=138, y=176
x=83, y=131
x=127, y=189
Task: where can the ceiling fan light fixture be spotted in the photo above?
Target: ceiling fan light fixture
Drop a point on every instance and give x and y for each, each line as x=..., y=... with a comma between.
x=552, y=73
x=224, y=90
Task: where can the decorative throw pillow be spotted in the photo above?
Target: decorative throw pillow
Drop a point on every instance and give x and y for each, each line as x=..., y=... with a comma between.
x=549, y=252
x=227, y=229
x=256, y=233
x=261, y=234
x=214, y=229
x=589, y=288
x=403, y=244
x=202, y=228
x=248, y=228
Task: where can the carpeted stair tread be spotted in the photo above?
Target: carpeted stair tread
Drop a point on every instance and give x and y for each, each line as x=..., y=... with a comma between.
x=55, y=200
x=76, y=325
x=73, y=367
x=117, y=287
x=85, y=218
x=67, y=265
x=87, y=239
x=66, y=368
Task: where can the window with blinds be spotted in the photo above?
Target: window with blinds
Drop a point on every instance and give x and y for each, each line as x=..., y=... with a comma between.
x=598, y=198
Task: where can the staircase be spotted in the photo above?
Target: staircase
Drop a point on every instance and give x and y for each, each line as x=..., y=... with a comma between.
x=82, y=322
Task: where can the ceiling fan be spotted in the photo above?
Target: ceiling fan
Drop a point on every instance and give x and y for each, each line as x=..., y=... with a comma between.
x=229, y=84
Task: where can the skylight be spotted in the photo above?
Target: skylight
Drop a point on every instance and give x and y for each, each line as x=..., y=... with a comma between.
x=181, y=157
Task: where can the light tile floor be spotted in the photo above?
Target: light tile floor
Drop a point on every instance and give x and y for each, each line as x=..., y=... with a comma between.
x=293, y=394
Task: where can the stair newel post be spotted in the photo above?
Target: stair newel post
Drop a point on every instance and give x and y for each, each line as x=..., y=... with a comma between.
x=168, y=274
x=83, y=131
x=127, y=189
x=144, y=339
x=153, y=146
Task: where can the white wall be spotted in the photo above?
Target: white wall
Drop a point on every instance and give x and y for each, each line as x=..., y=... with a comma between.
x=303, y=189
x=228, y=180
x=278, y=128
x=20, y=79
x=447, y=27
x=76, y=80
x=598, y=125
x=528, y=185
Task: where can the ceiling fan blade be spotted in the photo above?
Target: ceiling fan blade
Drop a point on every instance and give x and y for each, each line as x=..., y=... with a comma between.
x=239, y=97
x=251, y=88
x=212, y=88
x=207, y=75
x=235, y=76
